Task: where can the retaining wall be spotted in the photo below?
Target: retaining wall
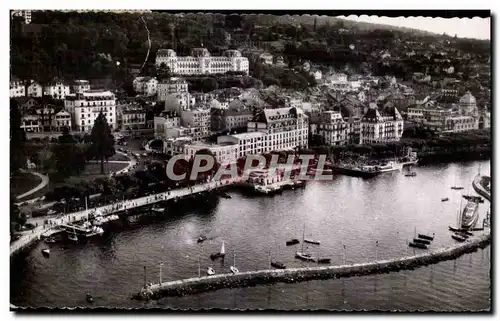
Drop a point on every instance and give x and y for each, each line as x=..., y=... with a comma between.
x=479, y=188
x=253, y=278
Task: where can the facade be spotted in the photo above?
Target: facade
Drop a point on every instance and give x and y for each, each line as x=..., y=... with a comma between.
x=34, y=89
x=225, y=153
x=31, y=124
x=461, y=123
x=381, y=126
x=177, y=132
x=201, y=62
x=85, y=108
x=286, y=128
x=61, y=120
x=333, y=128
x=199, y=119
x=171, y=86
x=46, y=116
x=166, y=120
x=467, y=104
x=246, y=143
x=147, y=86
x=227, y=119
x=131, y=117
x=57, y=89
x=80, y=86
x=17, y=88
x=272, y=130
x=175, y=146
x=25, y=14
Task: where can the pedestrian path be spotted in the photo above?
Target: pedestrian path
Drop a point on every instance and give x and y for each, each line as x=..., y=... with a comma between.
x=69, y=218
x=43, y=183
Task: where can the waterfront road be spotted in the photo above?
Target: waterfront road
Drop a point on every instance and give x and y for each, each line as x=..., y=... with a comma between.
x=41, y=228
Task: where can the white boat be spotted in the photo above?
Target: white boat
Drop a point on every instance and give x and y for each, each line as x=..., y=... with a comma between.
x=302, y=255
x=210, y=271
x=46, y=251
x=233, y=267
x=158, y=209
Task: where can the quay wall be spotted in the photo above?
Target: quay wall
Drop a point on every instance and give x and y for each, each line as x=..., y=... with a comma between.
x=479, y=188
x=293, y=275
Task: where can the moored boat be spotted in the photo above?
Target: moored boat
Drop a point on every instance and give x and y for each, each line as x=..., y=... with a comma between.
x=417, y=245
x=444, y=199
x=426, y=237
x=470, y=215
x=457, y=187
x=46, y=252
x=201, y=238
x=50, y=239
x=422, y=241
x=304, y=256
x=312, y=241
x=278, y=265
x=210, y=271
x=89, y=298
x=292, y=242
x=324, y=260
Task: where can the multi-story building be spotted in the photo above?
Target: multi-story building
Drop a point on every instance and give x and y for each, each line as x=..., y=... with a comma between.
x=61, y=120
x=246, y=143
x=46, y=115
x=333, y=128
x=25, y=14
x=166, y=120
x=175, y=146
x=176, y=132
x=80, y=86
x=86, y=107
x=57, y=89
x=381, y=126
x=227, y=119
x=147, y=86
x=34, y=89
x=467, y=104
x=286, y=128
x=461, y=123
x=17, y=88
x=31, y=123
x=130, y=117
x=271, y=130
x=199, y=119
x=201, y=62
x=225, y=153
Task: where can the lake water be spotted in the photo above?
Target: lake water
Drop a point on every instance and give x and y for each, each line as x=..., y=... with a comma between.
x=346, y=211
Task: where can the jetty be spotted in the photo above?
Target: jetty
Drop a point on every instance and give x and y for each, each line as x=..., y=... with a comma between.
x=293, y=275
x=481, y=185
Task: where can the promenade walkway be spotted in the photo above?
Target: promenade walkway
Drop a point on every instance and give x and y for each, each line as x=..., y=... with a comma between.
x=35, y=234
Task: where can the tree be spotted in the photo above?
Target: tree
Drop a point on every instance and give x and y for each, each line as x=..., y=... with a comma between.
x=102, y=141
x=17, y=137
x=209, y=84
x=163, y=71
x=69, y=158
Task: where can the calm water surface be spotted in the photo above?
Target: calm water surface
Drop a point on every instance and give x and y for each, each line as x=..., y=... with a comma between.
x=347, y=211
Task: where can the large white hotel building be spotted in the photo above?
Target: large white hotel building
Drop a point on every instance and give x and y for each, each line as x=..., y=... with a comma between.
x=201, y=62
x=272, y=130
x=85, y=107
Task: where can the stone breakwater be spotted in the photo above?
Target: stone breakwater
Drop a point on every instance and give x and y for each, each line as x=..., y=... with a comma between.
x=254, y=278
x=480, y=184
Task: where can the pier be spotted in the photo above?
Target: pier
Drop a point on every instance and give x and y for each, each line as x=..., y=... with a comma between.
x=293, y=275
x=480, y=185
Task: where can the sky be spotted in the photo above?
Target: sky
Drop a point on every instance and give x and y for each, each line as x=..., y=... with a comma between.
x=478, y=28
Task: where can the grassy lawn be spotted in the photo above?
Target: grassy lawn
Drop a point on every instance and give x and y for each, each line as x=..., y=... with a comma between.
x=20, y=183
x=92, y=171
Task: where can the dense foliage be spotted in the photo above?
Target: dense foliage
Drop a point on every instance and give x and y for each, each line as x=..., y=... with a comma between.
x=102, y=145
x=89, y=45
